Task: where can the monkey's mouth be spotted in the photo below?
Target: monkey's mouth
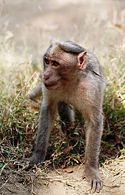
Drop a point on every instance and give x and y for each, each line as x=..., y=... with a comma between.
x=49, y=85
x=53, y=85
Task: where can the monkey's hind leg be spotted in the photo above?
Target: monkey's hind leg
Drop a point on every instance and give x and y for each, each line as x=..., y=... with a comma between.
x=67, y=116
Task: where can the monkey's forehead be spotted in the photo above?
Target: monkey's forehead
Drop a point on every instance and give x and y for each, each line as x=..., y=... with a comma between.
x=54, y=51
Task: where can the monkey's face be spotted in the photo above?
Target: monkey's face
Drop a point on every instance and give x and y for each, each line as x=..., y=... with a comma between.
x=59, y=68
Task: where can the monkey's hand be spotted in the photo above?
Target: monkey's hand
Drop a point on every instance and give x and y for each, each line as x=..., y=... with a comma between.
x=33, y=161
x=92, y=175
x=37, y=158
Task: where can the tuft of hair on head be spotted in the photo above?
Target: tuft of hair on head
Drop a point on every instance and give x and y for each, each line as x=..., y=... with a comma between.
x=69, y=47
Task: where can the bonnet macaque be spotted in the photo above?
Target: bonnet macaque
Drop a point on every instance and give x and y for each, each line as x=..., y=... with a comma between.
x=72, y=77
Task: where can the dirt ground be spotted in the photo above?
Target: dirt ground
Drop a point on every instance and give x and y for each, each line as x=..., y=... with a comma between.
x=94, y=24
x=69, y=181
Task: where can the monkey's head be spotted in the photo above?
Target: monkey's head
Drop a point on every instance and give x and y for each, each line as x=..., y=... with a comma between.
x=62, y=61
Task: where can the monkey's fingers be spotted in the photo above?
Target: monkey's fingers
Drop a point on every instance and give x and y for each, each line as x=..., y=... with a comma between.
x=96, y=185
x=29, y=163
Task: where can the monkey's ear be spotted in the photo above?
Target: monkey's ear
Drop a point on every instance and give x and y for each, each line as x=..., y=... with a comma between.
x=82, y=60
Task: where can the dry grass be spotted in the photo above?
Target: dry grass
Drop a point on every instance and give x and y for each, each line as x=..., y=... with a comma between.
x=18, y=121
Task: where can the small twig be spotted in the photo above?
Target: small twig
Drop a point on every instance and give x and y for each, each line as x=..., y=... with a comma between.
x=32, y=182
x=112, y=186
x=52, y=179
x=2, y=140
x=3, y=168
x=58, y=179
x=56, y=169
x=118, y=176
x=5, y=183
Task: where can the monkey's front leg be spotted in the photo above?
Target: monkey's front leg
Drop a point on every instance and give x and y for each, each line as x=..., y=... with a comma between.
x=45, y=125
x=93, y=139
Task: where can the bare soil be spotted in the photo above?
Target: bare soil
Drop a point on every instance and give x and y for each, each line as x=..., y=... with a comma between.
x=68, y=181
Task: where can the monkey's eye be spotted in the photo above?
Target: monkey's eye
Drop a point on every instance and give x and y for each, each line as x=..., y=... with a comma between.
x=55, y=63
x=46, y=60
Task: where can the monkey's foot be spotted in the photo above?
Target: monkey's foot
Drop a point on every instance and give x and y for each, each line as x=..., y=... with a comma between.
x=92, y=175
x=36, y=158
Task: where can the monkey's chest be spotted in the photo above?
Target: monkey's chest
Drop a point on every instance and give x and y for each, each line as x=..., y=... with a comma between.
x=77, y=97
